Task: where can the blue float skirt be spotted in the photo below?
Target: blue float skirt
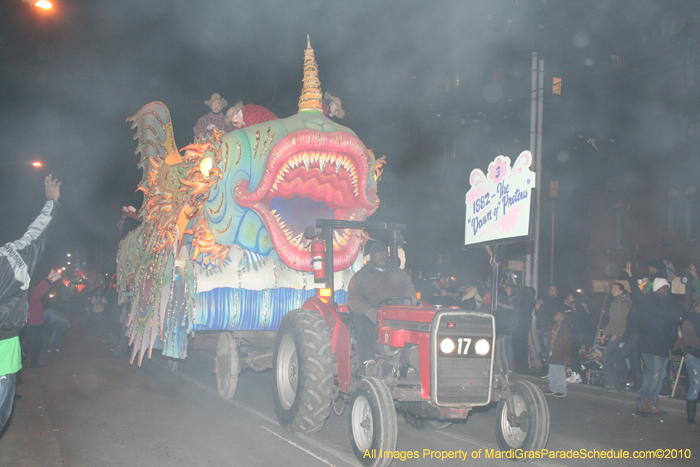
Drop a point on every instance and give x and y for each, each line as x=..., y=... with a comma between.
x=227, y=309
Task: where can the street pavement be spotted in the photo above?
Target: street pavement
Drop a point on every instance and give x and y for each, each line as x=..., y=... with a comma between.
x=88, y=408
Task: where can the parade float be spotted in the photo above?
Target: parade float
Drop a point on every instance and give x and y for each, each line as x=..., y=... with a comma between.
x=220, y=246
x=238, y=229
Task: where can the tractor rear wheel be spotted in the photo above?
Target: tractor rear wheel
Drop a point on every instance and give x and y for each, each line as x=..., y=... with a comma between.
x=533, y=415
x=303, y=368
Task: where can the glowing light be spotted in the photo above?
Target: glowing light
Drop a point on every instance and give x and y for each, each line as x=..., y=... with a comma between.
x=43, y=4
x=447, y=345
x=37, y=164
x=68, y=255
x=205, y=166
x=325, y=294
x=67, y=262
x=482, y=347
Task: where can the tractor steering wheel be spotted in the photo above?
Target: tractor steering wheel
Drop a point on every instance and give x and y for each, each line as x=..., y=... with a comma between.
x=404, y=301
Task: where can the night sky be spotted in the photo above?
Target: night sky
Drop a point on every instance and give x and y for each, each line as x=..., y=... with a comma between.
x=438, y=87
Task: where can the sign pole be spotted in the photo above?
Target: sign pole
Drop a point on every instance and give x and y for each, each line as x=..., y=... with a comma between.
x=533, y=150
x=538, y=170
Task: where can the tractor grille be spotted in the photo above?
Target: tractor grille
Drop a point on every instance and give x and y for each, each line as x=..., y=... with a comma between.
x=463, y=381
x=462, y=378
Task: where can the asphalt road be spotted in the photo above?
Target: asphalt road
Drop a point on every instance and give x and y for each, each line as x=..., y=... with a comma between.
x=88, y=408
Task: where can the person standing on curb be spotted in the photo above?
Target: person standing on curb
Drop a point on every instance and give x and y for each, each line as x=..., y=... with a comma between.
x=660, y=318
x=613, y=334
x=691, y=344
x=98, y=302
x=35, y=321
x=559, y=352
x=55, y=325
x=17, y=262
x=118, y=349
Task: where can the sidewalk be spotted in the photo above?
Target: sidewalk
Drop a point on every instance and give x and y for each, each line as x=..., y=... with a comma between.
x=597, y=392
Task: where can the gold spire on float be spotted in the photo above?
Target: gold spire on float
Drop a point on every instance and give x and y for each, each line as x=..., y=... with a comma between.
x=310, y=100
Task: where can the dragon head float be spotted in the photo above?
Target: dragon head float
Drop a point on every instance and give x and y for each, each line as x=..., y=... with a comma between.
x=229, y=212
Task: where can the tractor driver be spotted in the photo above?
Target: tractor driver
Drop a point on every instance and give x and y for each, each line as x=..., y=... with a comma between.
x=376, y=281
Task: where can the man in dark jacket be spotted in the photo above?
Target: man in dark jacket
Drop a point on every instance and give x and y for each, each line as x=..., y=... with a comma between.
x=546, y=309
x=613, y=335
x=559, y=355
x=17, y=262
x=376, y=281
x=660, y=318
x=578, y=318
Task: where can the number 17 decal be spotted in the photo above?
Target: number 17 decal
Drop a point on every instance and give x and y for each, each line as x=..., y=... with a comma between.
x=463, y=343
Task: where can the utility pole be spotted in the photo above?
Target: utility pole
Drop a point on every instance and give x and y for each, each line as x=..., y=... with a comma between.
x=533, y=149
x=538, y=170
x=536, y=112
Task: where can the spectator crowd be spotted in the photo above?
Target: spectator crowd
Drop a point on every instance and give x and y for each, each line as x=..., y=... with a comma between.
x=624, y=345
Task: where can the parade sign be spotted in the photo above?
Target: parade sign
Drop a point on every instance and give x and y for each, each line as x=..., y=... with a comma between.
x=498, y=204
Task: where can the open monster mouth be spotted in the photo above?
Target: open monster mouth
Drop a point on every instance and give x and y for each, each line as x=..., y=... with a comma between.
x=312, y=175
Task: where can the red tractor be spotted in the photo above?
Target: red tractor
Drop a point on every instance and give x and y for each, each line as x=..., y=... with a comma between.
x=433, y=365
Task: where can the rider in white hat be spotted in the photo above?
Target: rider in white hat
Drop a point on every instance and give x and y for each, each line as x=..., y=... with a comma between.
x=214, y=119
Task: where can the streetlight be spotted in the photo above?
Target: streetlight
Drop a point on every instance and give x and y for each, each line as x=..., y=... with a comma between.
x=43, y=4
x=38, y=164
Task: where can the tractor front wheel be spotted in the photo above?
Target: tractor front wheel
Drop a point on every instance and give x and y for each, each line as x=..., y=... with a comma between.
x=373, y=425
x=532, y=412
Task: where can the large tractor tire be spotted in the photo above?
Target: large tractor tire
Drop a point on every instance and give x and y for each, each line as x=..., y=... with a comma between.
x=303, y=368
x=227, y=365
x=533, y=412
x=373, y=425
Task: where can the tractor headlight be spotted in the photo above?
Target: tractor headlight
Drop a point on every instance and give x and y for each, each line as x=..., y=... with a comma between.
x=447, y=345
x=482, y=347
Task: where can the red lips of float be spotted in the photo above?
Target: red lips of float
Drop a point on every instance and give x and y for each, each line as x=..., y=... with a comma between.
x=331, y=168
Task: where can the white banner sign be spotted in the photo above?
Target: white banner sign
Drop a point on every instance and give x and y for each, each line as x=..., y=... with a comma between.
x=498, y=204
